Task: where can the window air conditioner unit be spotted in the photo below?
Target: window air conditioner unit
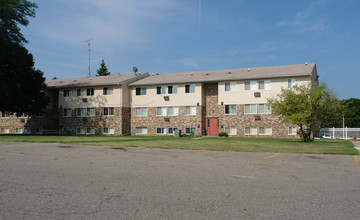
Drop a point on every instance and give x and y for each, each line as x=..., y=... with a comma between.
x=166, y=98
x=22, y=120
x=167, y=119
x=85, y=99
x=257, y=94
x=257, y=118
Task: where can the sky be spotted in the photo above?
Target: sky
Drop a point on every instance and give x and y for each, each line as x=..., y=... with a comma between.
x=170, y=36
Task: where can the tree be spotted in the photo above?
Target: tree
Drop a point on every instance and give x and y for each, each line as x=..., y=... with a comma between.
x=351, y=114
x=103, y=70
x=308, y=106
x=22, y=87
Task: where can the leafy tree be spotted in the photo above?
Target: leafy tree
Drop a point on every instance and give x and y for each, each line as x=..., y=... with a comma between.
x=21, y=85
x=351, y=114
x=103, y=70
x=308, y=106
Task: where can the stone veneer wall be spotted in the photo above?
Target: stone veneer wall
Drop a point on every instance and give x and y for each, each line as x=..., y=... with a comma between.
x=152, y=121
x=98, y=121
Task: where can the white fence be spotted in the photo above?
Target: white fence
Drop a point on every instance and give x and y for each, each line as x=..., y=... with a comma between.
x=341, y=133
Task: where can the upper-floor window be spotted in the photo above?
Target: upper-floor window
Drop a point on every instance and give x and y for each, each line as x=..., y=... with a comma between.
x=291, y=83
x=161, y=111
x=67, y=112
x=141, y=111
x=80, y=112
x=173, y=111
x=4, y=114
x=90, y=92
x=190, y=88
x=172, y=89
x=264, y=84
x=230, y=109
x=66, y=92
x=250, y=108
x=108, y=111
x=190, y=110
x=140, y=90
x=90, y=112
x=80, y=92
x=230, y=86
x=264, y=109
x=108, y=90
x=250, y=85
x=39, y=115
x=161, y=90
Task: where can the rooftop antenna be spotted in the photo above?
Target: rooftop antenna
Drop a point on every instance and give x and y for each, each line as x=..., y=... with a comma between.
x=89, y=44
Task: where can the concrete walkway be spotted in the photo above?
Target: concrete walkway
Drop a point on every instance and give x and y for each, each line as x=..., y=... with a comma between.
x=357, y=145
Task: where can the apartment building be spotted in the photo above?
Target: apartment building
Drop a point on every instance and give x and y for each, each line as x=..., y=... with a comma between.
x=209, y=102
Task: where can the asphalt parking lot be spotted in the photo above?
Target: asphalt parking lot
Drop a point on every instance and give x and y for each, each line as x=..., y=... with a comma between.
x=57, y=181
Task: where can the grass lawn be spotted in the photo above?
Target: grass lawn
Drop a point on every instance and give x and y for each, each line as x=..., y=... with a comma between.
x=322, y=146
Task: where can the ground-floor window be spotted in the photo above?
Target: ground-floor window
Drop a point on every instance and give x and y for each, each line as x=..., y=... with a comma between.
x=80, y=130
x=190, y=130
x=108, y=130
x=90, y=130
x=141, y=130
x=160, y=130
x=172, y=130
x=39, y=130
x=4, y=130
x=66, y=131
x=230, y=130
x=23, y=130
x=265, y=130
x=250, y=131
x=292, y=130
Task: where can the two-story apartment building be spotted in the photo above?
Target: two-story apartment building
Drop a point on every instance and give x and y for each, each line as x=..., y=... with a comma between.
x=209, y=102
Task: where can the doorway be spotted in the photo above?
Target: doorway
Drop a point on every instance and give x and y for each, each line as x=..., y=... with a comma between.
x=212, y=126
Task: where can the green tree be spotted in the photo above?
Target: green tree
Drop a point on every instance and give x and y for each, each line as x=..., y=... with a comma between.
x=22, y=87
x=103, y=70
x=351, y=114
x=308, y=106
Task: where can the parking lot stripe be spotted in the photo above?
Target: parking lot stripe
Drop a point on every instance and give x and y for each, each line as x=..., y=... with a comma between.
x=261, y=160
x=356, y=162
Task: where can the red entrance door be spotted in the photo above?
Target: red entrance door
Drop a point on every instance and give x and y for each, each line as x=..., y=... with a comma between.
x=212, y=126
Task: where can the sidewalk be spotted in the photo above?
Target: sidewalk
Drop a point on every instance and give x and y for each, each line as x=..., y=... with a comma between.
x=357, y=145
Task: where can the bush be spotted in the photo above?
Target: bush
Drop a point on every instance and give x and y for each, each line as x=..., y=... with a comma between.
x=223, y=134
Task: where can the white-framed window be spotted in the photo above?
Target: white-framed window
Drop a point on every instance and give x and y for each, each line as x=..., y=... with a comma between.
x=22, y=115
x=161, y=111
x=4, y=114
x=190, y=88
x=250, y=131
x=173, y=111
x=265, y=130
x=250, y=85
x=189, y=130
x=108, y=111
x=90, y=112
x=172, y=89
x=27, y=130
x=230, y=86
x=39, y=115
x=161, y=90
x=264, y=109
x=292, y=131
x=291, y=83
x=250, y=109
x=80, y=112
x=230, y=130
x=90, y=130
x=4, y=130
x=230, y=109
x=141, y=111
x=39, y=131
x=140, y=91
x=90, y=92
x=108, y=130
x=67, y=112
x=80, y=130
x=141, y=130
x=172, y=130
x=190, y=110
x=80, y=92
x=264, y=84
x=160, y=131
x=108, y=90
x=66, y=92
x=66, y=130
x=19, y=130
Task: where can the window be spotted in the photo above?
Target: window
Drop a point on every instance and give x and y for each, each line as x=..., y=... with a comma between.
x=39, y=115
x=230, y=109
x=161, y=111
x=161, y=90
x=66, y=93
x=19, y=130
x=39, y=131
x=250, y=108
x=190, y=88
x=141, y=111
x=80, y=112
x=4, y=130
x=80, y=130
x=140, y=90
x=292, y=131
x=108, y=130
x=22, y=115
x=160, y=130
x=250, y=131
x=190, y=130
x=141, y=130
x=250, y=85
x=264, y=84
x=190, y=110
x=90, y=92
x=291, y=83
x=90, y=130
x=66, y=131
x=108, y=111
x=173, y=111
x=67, y=112
x=265, y=130
x=108, y=90
x=172, y=130
x=230, y=86
x=27, y=130
x=172, y=89
x=80, y=92
x=90, y=112
x=230, y=130
x=5, y=114
x=264, y=109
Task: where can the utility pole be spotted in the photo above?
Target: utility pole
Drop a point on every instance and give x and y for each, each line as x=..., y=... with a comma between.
x=89, y=45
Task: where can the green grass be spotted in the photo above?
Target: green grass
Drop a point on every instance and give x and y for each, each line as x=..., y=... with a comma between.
x=323, y=146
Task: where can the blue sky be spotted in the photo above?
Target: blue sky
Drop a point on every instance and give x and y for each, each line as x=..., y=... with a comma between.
x=167, y=36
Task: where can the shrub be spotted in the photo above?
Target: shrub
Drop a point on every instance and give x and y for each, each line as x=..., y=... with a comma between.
x=223, y=134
